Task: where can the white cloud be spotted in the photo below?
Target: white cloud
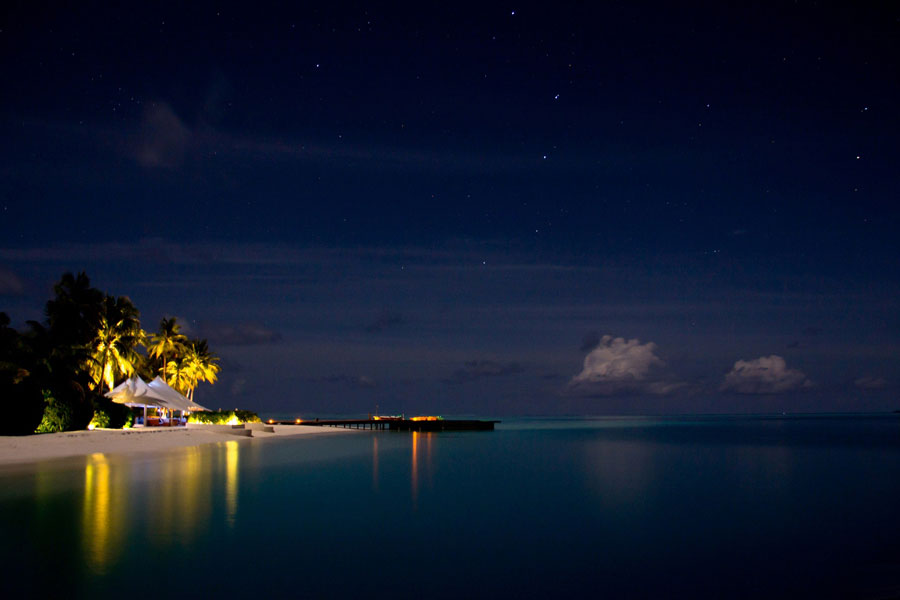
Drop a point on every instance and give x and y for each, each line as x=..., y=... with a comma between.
x=361, y=381
x=237, y=334
x=764, y=375
x=165, y=138
x=238, y=387
x=479, y=369
x=619, y=366
x=868, y=382
x=615, y=359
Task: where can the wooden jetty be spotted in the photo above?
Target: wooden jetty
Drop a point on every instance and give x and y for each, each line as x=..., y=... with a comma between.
x=395, y=424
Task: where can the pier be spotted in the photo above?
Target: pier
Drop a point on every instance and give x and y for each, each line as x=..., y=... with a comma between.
x=396, y=424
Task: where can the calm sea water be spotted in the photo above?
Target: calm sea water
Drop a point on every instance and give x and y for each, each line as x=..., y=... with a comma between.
x=586, y=508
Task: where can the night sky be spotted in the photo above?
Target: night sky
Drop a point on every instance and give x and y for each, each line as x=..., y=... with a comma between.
x=491, y=209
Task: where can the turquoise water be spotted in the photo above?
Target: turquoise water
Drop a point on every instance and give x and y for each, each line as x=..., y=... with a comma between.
x=644, y=508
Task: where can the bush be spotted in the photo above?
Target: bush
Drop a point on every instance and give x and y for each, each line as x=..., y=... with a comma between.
x=82, y=406
x=23, y=407
x=224, y=417
x=58, y=415
x=109, y=414
x=101, y=420
x=65, y=409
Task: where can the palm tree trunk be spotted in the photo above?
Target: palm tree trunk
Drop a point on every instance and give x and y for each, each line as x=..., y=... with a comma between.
x=103, y=368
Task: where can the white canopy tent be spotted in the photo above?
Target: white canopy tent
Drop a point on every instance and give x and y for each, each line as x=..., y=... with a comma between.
x=135, y=392
x=161, y=389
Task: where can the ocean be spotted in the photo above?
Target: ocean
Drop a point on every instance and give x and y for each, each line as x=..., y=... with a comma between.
x=693, y=507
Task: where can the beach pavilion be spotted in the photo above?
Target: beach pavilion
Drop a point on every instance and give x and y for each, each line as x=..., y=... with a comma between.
x=136, y=392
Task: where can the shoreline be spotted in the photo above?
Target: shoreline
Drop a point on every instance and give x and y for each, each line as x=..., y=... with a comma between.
x=29, y=449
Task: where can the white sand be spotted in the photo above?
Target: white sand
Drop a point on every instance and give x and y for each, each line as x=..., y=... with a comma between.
x=33, y=448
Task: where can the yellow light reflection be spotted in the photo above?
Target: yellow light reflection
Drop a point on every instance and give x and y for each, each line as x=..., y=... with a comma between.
x=429, y=471
x=179, y=508
x=231, y=481
x=191, y=491
x=44, y=486
x=415, y=467
x=104, y=512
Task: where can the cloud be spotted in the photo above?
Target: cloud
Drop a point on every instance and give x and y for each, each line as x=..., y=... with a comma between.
x=238, y=387
x=144, y=250
x=867, y=382
x=764, y=375
x=456, y=256
x=236, y=334
x=10, y=284
x=479, y=369
x=620, y=366
x=385, y=320
x=360, y=381
x=164, y=138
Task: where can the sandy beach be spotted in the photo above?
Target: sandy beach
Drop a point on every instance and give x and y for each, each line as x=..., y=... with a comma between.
x=32, y=448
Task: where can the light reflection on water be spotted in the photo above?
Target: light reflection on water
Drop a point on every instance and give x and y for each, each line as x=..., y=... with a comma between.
x=414, y=469
x=167, y=500
x=417, y=469
x=636, y=508
x=231, y=481
x=103, y=523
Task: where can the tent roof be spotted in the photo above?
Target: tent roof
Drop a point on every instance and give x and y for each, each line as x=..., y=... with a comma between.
x=170, y=395
x=135, y=392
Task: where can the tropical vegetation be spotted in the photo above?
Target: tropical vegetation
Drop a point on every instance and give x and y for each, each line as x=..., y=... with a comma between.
x=53, y=373
x=168, y=341
x=224, y=417
x=191, y=364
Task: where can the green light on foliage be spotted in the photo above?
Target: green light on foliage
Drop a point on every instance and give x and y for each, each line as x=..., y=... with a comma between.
x=224, y=417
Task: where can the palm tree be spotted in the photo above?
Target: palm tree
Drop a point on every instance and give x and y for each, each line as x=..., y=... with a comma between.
x=73, y=314
x=114, y=347
x=73, y=317
x=196, y=364
x=167, y=342
x=178, y=375
x=204, y=363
